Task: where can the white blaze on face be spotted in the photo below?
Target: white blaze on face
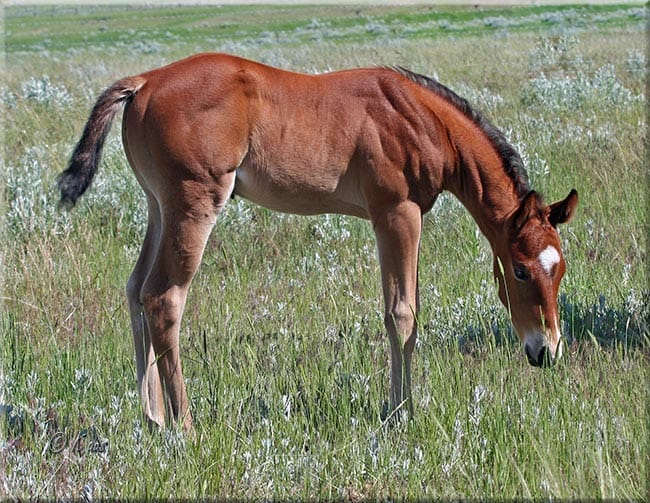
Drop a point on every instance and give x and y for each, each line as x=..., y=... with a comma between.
x=549, y=258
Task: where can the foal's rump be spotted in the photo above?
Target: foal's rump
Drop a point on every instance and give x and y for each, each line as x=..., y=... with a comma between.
x=188, y=128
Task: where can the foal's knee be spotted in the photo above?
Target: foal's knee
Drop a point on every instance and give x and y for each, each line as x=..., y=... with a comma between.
x=401, y=321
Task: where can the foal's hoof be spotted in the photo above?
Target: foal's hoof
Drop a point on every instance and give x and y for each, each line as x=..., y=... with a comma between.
x=153, y=426
x=389, y=416
x=392, y=417
x=385, y=411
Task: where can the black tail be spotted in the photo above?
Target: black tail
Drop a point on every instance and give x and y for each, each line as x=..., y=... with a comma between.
x=81, y=170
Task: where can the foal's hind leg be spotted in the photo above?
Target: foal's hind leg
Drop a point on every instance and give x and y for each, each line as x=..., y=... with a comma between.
x=186, y=225
x=163, y=296
x=149, y=385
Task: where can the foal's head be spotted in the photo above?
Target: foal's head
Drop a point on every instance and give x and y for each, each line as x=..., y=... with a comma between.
x=529, y=266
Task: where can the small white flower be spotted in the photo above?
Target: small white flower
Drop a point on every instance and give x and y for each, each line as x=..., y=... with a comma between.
x=82, y=380
x=286, y=406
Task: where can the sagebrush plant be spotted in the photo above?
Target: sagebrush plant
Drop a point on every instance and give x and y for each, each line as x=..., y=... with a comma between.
x=567, y=82
x=285, y=355
x=44, y=92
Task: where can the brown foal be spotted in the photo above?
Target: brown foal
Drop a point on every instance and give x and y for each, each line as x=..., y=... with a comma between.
x=377, y=143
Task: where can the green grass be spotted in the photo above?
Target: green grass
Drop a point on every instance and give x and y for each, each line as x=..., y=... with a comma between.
x=284, y=353
x=57, y=28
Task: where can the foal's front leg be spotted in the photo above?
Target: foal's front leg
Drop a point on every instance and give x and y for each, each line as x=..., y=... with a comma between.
x=398, y=232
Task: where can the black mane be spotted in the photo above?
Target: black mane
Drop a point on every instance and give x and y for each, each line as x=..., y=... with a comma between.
x=512, y=162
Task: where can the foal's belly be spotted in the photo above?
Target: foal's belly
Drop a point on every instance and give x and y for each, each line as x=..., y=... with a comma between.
x=300, y=194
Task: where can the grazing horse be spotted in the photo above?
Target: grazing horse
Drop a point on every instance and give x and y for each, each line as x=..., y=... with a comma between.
x=377, y=143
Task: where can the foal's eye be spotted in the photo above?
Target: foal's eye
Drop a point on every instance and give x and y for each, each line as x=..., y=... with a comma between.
x=521, y=273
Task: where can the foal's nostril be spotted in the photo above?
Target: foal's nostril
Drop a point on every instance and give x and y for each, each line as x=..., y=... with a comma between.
x=542, y=359
x=531, y=359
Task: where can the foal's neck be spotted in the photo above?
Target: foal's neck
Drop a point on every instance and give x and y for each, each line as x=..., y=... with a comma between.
x=480, y=181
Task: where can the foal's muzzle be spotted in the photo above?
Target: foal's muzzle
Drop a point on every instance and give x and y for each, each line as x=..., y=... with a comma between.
x=543, y=357
x=540, y=352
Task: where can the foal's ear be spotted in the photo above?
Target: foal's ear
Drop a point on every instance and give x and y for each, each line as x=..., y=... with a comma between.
x=529, y=207
x=562, y=211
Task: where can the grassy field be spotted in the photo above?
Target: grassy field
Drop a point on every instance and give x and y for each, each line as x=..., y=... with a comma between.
x=283, y=346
